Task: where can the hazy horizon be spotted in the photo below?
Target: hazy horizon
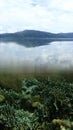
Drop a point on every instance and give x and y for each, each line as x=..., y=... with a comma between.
x=35, y=30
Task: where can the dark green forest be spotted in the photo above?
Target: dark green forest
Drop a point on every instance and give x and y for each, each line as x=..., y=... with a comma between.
x=36, y=103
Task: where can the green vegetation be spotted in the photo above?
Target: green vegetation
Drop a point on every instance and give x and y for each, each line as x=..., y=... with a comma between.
x=33, y=38
x=42, y=103
x=11, y=80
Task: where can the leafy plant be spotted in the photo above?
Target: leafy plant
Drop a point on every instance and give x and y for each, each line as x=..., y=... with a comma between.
x=38, y=103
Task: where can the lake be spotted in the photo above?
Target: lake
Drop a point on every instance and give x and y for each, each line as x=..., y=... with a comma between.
x=54, y=56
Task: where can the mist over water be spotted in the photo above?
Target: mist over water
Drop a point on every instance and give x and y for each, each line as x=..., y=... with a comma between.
x=56, y=56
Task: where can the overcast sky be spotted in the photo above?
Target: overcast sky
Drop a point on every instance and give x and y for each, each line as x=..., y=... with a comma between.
x=45, y=15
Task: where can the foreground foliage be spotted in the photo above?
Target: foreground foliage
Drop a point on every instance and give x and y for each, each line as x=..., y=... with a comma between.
x=40, y=104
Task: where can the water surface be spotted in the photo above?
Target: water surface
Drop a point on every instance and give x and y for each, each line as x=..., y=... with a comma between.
x=56, y=55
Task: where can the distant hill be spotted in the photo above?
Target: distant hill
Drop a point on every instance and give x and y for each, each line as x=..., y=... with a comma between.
x=32, y=38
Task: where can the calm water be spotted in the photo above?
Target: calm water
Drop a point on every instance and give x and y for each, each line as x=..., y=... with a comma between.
x=57, y=55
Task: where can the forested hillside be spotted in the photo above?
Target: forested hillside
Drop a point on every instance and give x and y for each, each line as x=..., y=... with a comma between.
x=32, y=38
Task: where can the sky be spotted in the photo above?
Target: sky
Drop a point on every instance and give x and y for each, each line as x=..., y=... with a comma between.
x=45, y=15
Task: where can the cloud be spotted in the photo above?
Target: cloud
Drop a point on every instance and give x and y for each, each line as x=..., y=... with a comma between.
x=52, y=16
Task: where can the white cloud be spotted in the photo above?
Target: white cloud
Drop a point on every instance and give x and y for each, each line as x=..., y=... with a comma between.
x=52, y=16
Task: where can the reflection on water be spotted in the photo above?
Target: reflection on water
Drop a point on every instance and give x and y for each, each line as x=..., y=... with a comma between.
x=57, y=55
